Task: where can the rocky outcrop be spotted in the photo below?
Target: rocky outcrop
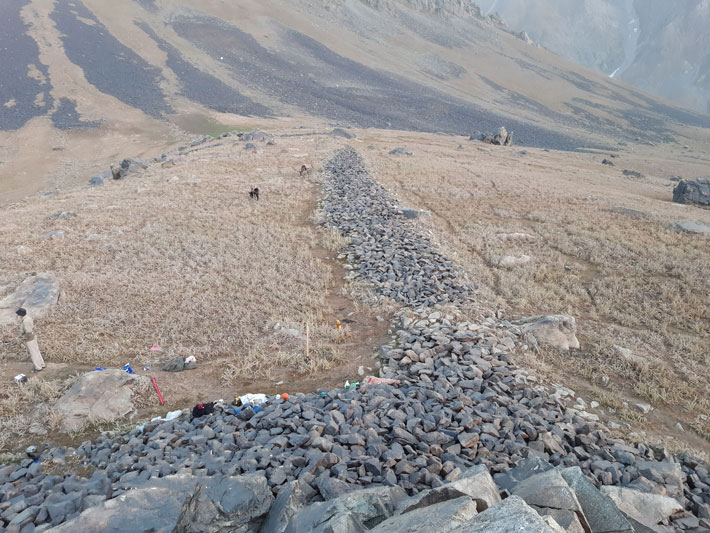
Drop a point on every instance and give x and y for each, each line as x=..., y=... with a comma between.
x=695, y=192
x=502, y=138
x=37, y=293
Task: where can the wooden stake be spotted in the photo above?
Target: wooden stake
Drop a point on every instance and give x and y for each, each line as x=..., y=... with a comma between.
x=308, y=342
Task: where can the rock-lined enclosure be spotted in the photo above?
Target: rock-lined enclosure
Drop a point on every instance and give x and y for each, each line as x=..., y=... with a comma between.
x=463, y=410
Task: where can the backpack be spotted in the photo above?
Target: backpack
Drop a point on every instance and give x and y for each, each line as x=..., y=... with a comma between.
x=202, y=409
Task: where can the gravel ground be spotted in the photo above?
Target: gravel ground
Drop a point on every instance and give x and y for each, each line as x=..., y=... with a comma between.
x=200, y=87
x=460, y=400
x=18, y=91
x=66, y=117
x=107, y=64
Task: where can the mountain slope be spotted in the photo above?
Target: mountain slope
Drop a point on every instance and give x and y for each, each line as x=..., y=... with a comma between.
x=105, y=81
x=658, y=46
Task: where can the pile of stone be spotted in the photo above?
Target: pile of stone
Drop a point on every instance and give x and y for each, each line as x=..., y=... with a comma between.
x=462, y=428
x=384, y=249
x=538, y=498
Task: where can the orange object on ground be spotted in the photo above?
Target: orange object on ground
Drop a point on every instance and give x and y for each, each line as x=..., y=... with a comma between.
x=284, y=396
x=337, y=325
x=160, y=396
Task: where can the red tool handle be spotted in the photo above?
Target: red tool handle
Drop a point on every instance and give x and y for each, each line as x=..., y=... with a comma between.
x=160, y=396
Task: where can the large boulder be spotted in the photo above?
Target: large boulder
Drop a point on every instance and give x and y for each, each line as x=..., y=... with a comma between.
x=367, y=507
x=291, y=498
x=152, y=507
x=99, y=396
x=692, y=192
x=646, y=508
x=236, y=504
x=513, y=514
x=38, y=294
x=503, y=138
x=558, y=331
x=412, y=213
x=550, y=494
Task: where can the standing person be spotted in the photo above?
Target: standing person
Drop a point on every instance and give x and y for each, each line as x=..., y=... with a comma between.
x=27, y=330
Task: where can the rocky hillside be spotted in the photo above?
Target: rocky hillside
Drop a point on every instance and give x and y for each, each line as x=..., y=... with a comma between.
x=658, y=46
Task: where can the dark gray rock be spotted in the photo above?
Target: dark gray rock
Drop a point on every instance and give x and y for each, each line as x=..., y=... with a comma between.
x=692, y=192
x=368, y=507
x=401, y=151
x=152, y=507
x=292, y=497
x=226, y=504
x=523, y=470
x=599, y=510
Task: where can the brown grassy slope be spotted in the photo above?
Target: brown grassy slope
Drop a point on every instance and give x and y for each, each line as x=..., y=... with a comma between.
x=630, y=280
x=179, y=257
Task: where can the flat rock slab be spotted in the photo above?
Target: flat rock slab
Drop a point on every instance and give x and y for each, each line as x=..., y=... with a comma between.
x=38, y=294
x=509, y=261
x=437, y=518
x=476, y=484
x=688, y=226
x=98, y=396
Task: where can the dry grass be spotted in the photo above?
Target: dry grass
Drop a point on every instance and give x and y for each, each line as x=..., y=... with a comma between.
x=26, y=409
x=629, y=281
x=333, y=240
x=179, y=257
